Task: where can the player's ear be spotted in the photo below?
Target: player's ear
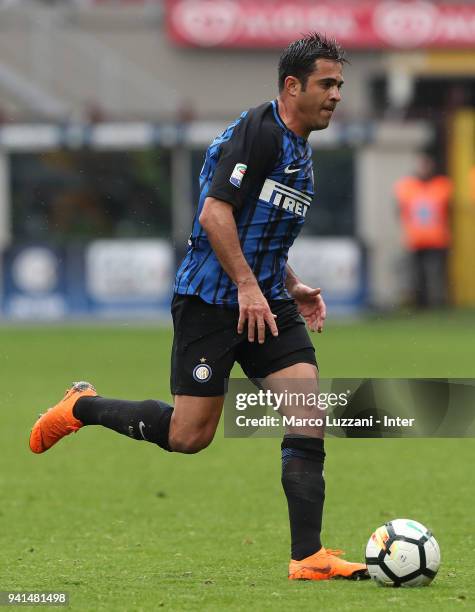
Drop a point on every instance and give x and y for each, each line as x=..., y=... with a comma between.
x=292, y=85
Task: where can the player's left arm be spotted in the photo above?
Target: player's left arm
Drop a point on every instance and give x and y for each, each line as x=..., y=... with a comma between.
x=310, y=302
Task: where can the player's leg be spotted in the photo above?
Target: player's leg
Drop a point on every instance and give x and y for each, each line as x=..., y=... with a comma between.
x=187, y=428
x=303, y=481
x=302, y=457
x=287, y=363
x=202, y=357
x=194, y=422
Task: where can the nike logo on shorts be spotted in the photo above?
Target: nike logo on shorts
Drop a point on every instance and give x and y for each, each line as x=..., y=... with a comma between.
x=290, y=170
x=141, y=428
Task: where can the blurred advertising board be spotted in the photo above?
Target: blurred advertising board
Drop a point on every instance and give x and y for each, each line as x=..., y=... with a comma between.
x=105, y=278
x=337, y=266
x=133, y=279
x=34, y=283
x=128, y=276
x=397, y=24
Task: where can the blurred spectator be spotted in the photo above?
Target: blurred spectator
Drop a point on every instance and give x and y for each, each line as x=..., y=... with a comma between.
x=94, y=113
x=423, y=200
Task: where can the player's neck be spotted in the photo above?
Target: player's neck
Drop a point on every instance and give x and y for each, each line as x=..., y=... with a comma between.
x=291, y=120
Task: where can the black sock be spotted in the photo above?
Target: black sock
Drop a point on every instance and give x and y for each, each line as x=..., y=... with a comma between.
x=304, y=486
x=146, y=420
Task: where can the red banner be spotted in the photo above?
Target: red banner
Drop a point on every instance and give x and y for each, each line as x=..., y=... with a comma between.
x=398, y=24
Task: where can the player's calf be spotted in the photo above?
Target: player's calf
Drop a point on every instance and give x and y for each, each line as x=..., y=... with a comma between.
x=194, y=422
x=190, y=444
x=147, y=420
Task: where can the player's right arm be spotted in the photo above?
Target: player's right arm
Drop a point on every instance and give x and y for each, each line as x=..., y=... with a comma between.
x=244, y=162
x=217, y=219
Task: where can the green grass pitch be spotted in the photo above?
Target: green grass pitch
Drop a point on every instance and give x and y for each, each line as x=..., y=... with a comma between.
x=122, y=525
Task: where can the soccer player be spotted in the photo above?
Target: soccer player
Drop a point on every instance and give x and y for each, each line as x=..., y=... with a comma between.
x=236, y=299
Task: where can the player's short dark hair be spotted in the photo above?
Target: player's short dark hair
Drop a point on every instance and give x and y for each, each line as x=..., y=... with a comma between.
x=298, y=59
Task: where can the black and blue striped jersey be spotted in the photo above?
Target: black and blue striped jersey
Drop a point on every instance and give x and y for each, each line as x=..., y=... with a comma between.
x=264, y=170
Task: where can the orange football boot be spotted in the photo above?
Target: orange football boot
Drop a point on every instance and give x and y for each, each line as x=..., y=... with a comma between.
x=325, y=565
x=59, y=420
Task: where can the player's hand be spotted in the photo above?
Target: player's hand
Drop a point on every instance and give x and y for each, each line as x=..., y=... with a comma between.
x=254, y=308
x=311, y=306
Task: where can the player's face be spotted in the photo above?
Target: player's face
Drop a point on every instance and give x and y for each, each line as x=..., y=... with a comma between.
x=321, y=95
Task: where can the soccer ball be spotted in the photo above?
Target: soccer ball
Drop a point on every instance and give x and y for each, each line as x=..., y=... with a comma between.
x=402, y=553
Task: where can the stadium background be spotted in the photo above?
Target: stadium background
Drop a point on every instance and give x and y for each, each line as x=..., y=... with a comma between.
x=106, y=108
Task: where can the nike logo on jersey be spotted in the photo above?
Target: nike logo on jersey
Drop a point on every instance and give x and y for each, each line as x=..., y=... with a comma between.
x=290, y=170
x=287, y=198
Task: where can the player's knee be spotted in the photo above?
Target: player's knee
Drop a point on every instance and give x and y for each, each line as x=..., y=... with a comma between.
x=190, y=444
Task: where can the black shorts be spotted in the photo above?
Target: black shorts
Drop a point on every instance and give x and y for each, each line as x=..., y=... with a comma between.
x=206, y=345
